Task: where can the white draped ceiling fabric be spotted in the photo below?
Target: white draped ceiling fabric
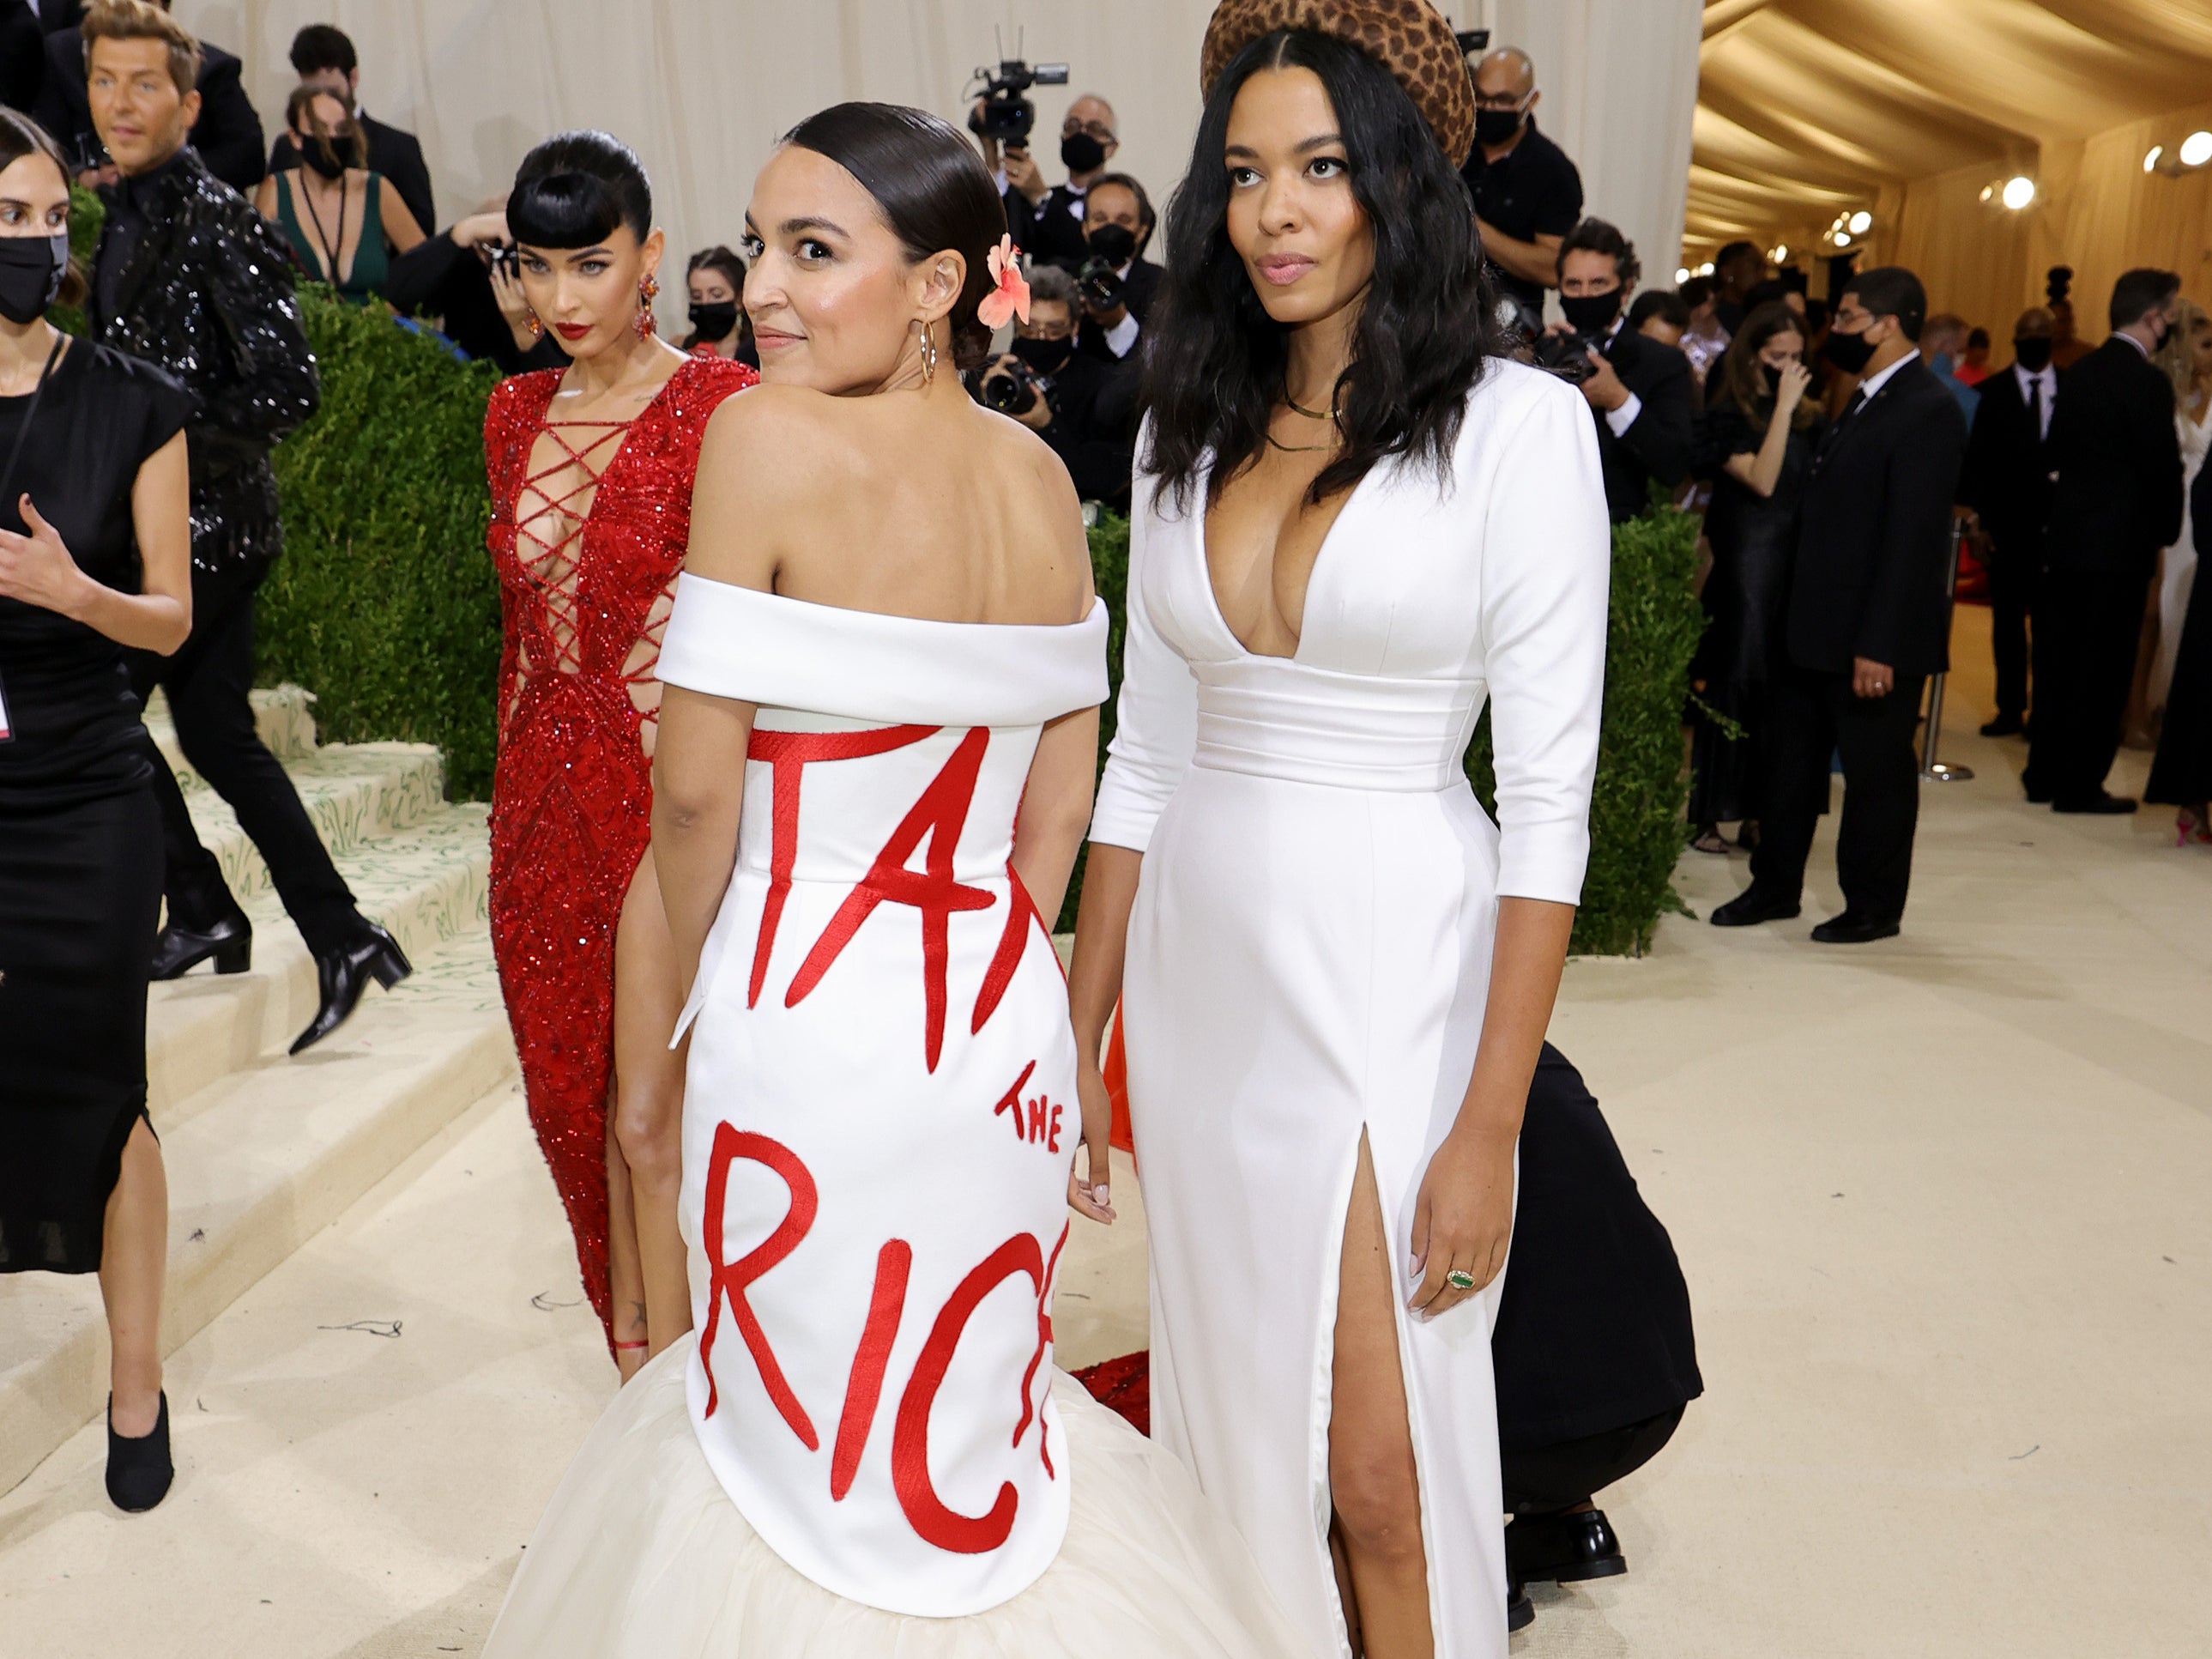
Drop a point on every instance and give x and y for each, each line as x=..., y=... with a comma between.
x=701, y=88
x=1910, y=109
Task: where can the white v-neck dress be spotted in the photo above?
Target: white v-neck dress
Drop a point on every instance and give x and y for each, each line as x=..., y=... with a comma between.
x=1310, y=950
x=866, y=1450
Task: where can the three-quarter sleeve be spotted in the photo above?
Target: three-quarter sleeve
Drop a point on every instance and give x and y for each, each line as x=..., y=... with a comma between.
x=1546, y=564
x=1156, y=715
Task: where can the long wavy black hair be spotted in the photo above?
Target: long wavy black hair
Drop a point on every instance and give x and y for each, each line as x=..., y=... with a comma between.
x=1215, y=361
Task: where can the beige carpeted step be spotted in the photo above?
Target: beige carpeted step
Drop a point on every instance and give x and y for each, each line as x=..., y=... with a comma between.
x=257, y=1161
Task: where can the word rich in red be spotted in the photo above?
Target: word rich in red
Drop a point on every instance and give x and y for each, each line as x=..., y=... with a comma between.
x=729, y=1281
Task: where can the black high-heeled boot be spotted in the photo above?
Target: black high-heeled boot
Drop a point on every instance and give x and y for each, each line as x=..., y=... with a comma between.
x=344, y=974
x=139, y=1471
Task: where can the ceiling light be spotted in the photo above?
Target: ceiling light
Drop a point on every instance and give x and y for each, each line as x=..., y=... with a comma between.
x=1862, y=223
x=2150, y=161
x=1842, y=238
x=2019, y=190
x=1779, y=253
x=1681, y=276
x=2196, y=149
x=1707, y=269
x=1988, y=191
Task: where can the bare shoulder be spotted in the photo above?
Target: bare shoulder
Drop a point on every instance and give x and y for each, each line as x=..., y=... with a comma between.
x=1014, y=450
x=773, y=443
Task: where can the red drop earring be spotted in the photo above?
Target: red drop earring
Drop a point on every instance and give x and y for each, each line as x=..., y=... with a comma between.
x=648, y=289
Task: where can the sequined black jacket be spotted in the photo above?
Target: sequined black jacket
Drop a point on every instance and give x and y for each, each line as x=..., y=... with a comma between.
x=207, y=295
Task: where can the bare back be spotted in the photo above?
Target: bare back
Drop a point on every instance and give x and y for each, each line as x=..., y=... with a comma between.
x=909, y=504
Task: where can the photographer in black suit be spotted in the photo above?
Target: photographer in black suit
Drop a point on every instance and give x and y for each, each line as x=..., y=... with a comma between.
x=226, y=134
x=2008, y=483
x=1048, y=223
x=1084, y=408
x=1638, y=387
x=323, y=56
x=1866, y=621
x=2117, y=501
x=1114, y=283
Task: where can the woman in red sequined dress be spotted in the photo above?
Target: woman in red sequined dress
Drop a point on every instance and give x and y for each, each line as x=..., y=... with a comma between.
x=591, y=470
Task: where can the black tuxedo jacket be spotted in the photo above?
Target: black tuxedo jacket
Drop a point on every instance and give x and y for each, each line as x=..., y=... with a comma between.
x=1657, y=448
x=2113, y=445
x=2006, y=478
x=228, y=135
x=1873, y=537
x=1051, y=231
x=398, y=155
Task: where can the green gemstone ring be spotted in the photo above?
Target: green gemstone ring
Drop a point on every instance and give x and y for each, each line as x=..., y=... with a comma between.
x=1459, y=1279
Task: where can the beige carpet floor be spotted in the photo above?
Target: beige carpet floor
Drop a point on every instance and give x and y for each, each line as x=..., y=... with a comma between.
x=1945, y=1204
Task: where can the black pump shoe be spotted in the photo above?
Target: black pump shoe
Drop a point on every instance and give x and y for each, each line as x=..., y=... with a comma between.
x=1519, y=1611
x=178, y=950
x=1563, y=1549
x=139, y=1471
x=344, y=974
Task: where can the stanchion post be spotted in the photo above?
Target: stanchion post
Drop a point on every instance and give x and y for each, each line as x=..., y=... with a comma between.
x=1930, y=768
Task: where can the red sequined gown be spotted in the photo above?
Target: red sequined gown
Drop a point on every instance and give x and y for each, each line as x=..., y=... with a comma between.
x=586, y=578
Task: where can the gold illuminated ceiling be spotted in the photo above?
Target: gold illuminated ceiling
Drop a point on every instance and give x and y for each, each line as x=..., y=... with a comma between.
x=1807, y=108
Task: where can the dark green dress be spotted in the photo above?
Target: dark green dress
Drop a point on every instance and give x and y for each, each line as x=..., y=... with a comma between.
x=372, y=259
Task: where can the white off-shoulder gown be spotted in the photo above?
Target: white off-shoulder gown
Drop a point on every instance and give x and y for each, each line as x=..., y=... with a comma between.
x=1310, y=951
x=866, y=1450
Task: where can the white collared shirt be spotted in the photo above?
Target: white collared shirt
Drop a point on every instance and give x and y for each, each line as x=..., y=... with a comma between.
x=2047, y=378
x=1875, y=382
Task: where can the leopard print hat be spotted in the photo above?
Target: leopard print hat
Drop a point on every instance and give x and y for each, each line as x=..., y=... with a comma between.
x=1408, y=38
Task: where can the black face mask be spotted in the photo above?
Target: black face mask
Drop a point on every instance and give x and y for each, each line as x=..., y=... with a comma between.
x=2033, y=352
x=714, y=319
x=30, y=272
x=1496, y=126
x=329, y=157
x=1115, y=244
x=1849, y=352
x=1590, y=314
x=1046, y=356
x=1080, y=153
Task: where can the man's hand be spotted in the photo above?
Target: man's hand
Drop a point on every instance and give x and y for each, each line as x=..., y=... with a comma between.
x=93, y=178
x=485, y=229
x=1038, y=415
x=1603, y=388
x=1021, y=173
x=1871, y=678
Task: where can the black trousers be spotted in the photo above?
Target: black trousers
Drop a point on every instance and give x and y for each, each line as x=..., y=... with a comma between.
x=2090, y=628
x=207, y=682
x=1546, y=1480
x=1814, y=715
x=2014, y=579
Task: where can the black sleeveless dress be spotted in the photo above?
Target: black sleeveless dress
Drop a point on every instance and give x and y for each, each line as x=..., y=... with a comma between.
x=80, y=837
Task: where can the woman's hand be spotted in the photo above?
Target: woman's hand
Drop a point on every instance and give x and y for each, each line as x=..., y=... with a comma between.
x=1790, y=387
x=38, y=569
x=1089, y=1193
x=1462, y=1219
x=480, y=228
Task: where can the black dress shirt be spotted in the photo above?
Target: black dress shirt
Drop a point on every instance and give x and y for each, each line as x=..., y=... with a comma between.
x=1531, y=191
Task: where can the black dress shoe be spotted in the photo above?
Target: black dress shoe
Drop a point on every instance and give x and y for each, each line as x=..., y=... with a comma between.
x=2004, y=725
x=1853, y=928
x=178, y=949
x=139, y=1471
x=1519, y=1611
x=1750, y=907
x=2100, y=805
x=1563, y=1549
x=344, y=974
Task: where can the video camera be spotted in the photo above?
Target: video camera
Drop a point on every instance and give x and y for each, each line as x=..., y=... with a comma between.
x=1472, y=43
x=1005, y=115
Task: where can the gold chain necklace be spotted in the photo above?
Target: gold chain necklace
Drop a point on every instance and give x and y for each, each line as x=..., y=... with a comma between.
x=1299, y=449
x=1310, y=414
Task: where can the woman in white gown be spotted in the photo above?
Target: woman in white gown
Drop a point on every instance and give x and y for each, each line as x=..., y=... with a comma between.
x=876, y=748
x=1352, y=528
x=2187, y=356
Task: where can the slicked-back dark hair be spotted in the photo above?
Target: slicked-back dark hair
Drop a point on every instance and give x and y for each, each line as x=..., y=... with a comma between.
x=2140, y=292
x=929, y=183
x=574, y=189
x=1215, y=359
x=1892, y=291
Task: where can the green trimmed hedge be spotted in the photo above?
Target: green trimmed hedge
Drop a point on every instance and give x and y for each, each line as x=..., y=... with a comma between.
x=1643, y=785
x=385, y=603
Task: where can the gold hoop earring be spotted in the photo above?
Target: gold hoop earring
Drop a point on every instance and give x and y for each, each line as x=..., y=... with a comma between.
x=928, y=352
